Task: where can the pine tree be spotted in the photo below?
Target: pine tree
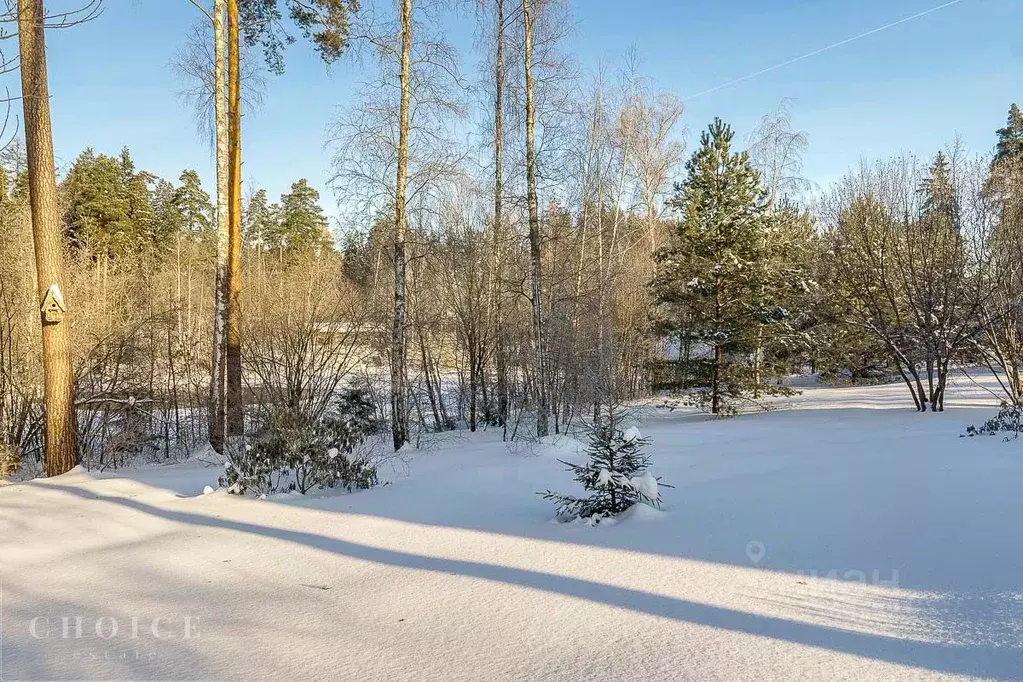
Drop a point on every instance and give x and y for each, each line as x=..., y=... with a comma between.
x=324, y=22
x=940, y=201
x=168, y=219
x=195, y=206
x=138, y=194
x=259, y=224
x=711, y=285
x=789, y=293
x=1010, y=138
x=96, y=213
x=108, y=205
x=615, y=473
x=302, y=224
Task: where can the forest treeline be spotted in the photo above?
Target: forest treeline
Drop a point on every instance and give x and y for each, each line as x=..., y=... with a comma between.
x=567, y=254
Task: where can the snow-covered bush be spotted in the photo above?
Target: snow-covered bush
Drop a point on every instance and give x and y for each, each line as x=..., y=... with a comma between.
x=1009, y=420
x=615, y=475
x=297, y=453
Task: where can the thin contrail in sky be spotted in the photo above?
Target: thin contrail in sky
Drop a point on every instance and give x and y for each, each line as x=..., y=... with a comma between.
x=823, y=49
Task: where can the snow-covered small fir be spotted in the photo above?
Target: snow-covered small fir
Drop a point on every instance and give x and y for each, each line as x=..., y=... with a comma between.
x=615, y=474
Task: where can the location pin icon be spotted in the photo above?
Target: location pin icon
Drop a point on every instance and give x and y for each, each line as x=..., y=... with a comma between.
x=755, y=551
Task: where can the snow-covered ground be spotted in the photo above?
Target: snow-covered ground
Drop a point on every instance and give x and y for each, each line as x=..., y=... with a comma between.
x=456, y=571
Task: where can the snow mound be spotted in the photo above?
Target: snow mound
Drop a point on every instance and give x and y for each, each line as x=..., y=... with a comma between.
x=637, y=513
x=646, y=485
x=632, y=433
x=641, y=513
x=207, y=456
x=559, y=445
x=288, y=495
x=79, y=469
x=208, y=490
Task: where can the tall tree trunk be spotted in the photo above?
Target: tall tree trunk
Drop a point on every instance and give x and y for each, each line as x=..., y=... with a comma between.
x=473, y=382
x=429, y=381
x=719, y=353
x=61, y=447
x=218, y=374
x=500, y=351
x=235, y=416
x=758, y=360
x=542, y=407
x=399, y=411
x=445, y=418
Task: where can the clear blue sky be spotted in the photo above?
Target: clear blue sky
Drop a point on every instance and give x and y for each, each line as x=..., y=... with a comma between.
x=909, y=88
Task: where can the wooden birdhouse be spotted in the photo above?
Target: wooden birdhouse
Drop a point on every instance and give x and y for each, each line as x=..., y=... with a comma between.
x=53, y=307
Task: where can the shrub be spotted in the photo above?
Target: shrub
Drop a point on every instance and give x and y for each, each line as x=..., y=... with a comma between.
x=1008, y=420
x=296, y=453
x=10, y=460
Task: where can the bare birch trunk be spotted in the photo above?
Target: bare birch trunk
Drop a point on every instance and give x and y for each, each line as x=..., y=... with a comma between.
x=61, y=446
x=542, y=407
x=399, y=411
x=500, y=351
x=218, y=374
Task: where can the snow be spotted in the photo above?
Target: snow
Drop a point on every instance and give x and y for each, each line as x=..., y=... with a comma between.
x=75, y=471
x=560, y=445
x=646, y=485
x=632, y=433
x=839, y=537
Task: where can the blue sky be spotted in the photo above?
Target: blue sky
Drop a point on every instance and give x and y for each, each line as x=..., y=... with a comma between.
x=910, y=88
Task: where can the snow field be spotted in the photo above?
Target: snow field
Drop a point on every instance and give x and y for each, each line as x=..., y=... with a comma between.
x=455, y=570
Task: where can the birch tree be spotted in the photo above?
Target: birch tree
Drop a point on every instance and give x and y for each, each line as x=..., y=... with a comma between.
x=497, y=297
x=394, y=149
x=399, y=392
x=540, y=379
x=218, y=369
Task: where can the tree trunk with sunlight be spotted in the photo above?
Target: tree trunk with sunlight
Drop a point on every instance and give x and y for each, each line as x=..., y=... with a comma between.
x=61, y=447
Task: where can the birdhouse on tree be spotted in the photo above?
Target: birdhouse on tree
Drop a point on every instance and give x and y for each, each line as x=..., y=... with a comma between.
x=53, y=307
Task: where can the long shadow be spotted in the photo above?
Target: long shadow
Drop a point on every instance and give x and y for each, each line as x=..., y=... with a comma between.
x=819, y=500
x=982, y=661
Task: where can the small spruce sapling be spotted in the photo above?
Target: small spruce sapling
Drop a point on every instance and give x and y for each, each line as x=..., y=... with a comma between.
x=616, y=474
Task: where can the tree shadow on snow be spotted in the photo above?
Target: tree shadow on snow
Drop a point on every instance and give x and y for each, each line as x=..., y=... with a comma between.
x=978, y=658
